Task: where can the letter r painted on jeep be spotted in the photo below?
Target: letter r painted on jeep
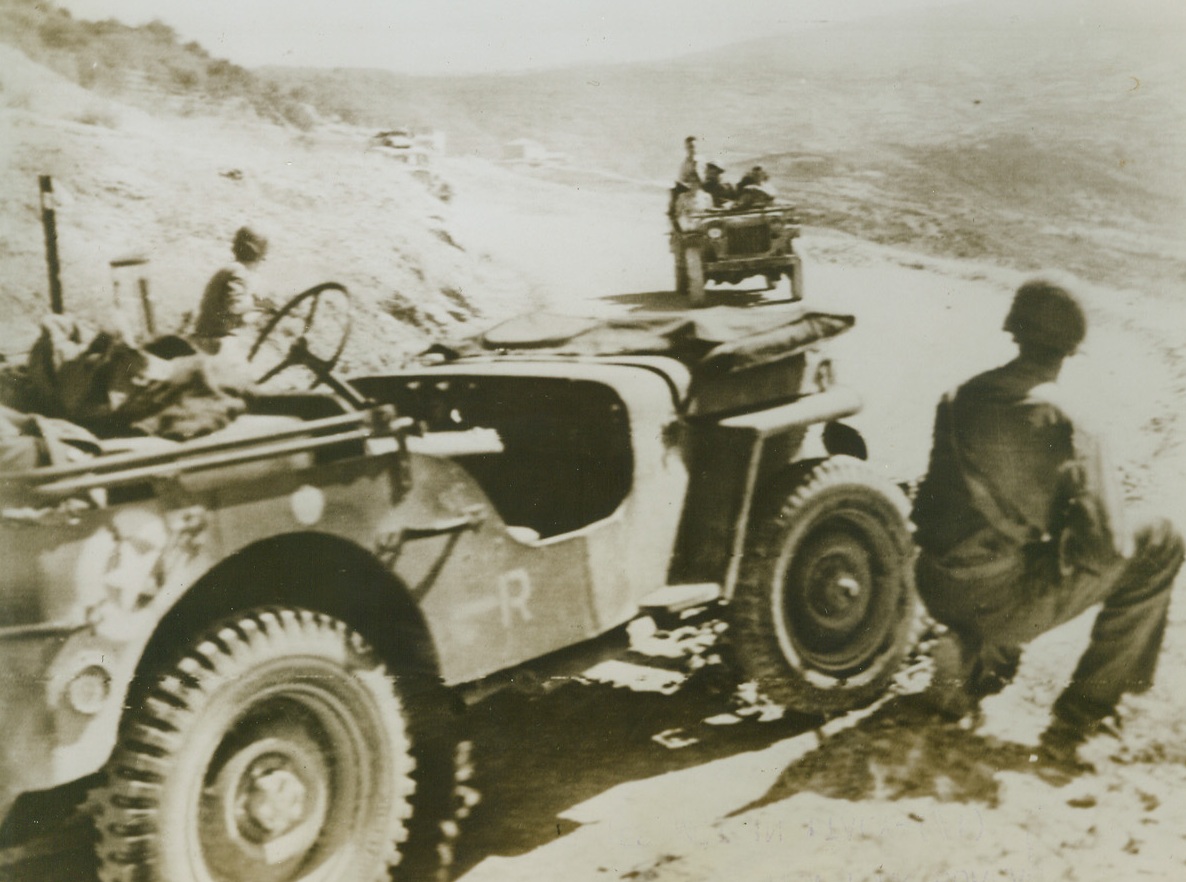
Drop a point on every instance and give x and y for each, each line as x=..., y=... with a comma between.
x=514, y=590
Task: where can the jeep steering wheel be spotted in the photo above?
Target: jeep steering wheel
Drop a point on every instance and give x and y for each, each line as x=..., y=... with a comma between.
x=299, y=350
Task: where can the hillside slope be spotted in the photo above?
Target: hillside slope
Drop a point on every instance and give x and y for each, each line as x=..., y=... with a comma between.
x=147, y=65
x=176, y=188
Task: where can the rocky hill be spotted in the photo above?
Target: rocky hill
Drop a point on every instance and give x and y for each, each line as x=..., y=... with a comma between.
x=148, y=65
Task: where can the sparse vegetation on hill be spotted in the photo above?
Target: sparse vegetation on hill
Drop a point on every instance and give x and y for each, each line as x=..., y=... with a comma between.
x=142, y=65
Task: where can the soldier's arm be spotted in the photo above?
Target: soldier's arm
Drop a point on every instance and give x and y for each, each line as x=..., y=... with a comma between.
x=1097, y=487
x=241, y=308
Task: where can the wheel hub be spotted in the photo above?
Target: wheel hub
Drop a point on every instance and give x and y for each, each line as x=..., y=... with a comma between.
x=843, y=590
x=835, y=593
x=268, y=801
x=272, y=799
x=832, y=609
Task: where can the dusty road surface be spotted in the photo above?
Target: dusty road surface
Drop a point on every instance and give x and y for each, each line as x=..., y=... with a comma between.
x=596, y=781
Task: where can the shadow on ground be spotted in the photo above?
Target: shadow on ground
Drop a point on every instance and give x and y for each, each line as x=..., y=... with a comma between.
x=538, y=757
x=902, y=751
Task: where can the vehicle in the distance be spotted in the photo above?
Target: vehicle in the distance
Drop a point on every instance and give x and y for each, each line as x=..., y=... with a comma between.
x=417, y=153
x=734, y=244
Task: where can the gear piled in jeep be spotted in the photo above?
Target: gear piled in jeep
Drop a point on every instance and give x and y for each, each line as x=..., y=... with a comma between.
x=79, y=382
x=250, y=644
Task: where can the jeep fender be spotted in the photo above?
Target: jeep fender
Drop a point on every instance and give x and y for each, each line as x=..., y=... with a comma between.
x=733, y=458
x=824, y=407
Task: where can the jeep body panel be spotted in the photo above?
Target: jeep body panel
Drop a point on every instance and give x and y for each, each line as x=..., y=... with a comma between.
x=621, y=475
x=89, y=585
x=82, y=600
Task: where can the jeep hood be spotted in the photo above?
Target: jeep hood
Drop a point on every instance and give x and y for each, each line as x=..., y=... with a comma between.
x=714, y=341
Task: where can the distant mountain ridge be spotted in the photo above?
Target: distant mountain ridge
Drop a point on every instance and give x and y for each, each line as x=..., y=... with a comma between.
x=910, y=79
x=991, y=129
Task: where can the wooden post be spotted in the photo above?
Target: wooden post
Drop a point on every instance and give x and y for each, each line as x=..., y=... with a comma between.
x=146, y=303
x=124, y=265
x=51, y=244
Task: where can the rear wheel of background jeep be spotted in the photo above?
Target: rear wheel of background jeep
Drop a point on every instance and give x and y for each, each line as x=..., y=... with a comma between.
x=278, y=749
x=825, y=607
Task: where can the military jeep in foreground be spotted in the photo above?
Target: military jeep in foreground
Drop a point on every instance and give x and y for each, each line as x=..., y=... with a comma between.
x=734, y=244
x=249, y=646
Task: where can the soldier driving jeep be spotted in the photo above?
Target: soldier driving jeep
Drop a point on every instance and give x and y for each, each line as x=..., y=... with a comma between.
x=228, y=305
x=722, y=192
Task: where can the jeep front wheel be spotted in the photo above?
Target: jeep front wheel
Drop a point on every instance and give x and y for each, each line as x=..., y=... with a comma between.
x=276, y=750
x=825, y=607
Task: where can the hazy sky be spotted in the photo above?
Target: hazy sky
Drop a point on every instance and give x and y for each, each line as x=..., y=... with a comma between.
x=463, y=36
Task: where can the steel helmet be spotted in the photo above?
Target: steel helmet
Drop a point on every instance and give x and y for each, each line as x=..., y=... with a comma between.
x=1048, y=315
x=249, y=245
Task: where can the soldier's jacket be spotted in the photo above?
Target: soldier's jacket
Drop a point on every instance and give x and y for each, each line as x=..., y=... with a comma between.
x=1010, y=468
x=227, y=303
x=688, y=175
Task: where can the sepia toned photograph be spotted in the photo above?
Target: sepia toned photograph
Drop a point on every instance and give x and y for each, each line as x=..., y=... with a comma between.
x=599, y=441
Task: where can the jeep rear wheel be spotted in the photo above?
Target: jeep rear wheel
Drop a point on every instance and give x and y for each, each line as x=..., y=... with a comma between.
x=277, y=750
x=825, y=607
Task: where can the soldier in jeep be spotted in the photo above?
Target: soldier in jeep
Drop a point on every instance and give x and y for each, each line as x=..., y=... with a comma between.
x=755, y=177
x=687, y=187
x=689, y=174
x=714, y=185
x=228, y=302
x=754, y=189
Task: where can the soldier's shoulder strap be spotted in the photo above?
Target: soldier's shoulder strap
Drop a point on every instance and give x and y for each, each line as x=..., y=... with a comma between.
x=997, y=511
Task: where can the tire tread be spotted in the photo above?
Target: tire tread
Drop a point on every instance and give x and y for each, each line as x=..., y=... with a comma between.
x=124, y=805
x=753, y=638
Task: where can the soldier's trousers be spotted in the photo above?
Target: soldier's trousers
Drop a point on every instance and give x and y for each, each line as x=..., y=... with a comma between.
x=996, y=610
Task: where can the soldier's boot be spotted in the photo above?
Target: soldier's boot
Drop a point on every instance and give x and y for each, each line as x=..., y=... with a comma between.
x=1074, y=722
x=967, y=672
x=949, y=695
